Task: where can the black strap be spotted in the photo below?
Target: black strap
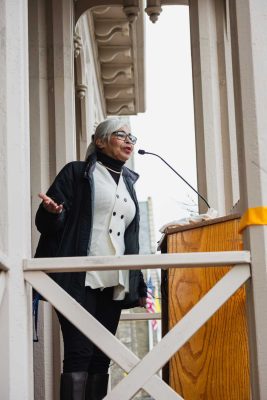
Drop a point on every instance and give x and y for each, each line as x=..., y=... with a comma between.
x=35, y=306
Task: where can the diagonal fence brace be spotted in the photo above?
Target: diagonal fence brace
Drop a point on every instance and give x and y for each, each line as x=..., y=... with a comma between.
x=181, y=333
x=95, y=331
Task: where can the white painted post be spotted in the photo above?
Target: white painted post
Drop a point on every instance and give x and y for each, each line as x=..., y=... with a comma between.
x=63, y=82
x=52, y=122
x=41, y=120
x=210, y=103
x=15, y=240
x=249, y=34
x=62, y=129
x=228, y=123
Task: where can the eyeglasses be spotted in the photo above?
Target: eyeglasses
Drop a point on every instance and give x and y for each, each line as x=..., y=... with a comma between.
x=121, y=135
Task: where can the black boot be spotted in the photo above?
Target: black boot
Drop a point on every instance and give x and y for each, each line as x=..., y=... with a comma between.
x=72, y=385
x=97, y=386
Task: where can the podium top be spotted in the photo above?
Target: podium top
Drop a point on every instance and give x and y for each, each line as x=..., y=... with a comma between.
x=180, y=228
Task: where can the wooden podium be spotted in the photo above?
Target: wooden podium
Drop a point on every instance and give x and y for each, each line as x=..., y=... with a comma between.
x=213, y=364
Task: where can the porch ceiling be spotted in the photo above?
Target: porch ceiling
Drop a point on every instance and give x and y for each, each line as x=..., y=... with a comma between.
x=119, y=58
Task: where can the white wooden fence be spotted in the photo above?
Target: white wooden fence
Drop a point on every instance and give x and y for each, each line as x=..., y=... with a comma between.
x=139, y=316
x=141, y=373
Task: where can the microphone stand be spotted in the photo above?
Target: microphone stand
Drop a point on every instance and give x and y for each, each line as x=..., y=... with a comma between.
x=142, y=152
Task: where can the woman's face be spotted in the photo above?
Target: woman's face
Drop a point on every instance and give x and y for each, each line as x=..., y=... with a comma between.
x=116, y=147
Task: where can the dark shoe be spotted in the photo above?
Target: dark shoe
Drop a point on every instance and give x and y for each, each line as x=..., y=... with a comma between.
x=72, y=385
x=97, y=386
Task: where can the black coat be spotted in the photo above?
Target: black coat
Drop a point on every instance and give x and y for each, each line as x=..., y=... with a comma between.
x=68, y=234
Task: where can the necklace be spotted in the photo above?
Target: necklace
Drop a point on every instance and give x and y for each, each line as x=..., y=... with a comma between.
x=110, y=169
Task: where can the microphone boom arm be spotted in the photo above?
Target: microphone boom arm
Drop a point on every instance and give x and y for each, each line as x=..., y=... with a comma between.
x=162, y=159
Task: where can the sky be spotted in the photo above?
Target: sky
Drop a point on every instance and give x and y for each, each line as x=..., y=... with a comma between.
x=167, y=126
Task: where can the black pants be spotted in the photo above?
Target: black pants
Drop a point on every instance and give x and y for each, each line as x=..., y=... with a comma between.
x=80, y=354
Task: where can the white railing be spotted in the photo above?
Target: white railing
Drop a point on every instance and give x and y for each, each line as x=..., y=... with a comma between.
x=141, y=374
x=136, y=316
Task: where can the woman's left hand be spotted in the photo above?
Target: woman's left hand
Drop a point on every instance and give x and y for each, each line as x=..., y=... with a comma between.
x=142, y=302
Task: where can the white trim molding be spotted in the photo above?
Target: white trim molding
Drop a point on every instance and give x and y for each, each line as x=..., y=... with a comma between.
x=106, y=263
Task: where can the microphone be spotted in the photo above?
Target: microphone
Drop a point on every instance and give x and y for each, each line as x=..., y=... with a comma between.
x=142, y=152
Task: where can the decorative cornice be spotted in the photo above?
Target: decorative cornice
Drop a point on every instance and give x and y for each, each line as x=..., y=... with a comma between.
x=101, y=11
x=118, y=48
x=112, y=74
x=120, y=107
x=117, y=92
x=116, y=54
x=106, y=29
x=131, y=8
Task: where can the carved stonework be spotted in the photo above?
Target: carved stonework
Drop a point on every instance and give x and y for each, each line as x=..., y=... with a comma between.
x=77, y=45
x=115, y=74
x=131, y=9
x=119, y=56
x=120, y=107
x=117, y=92
x=131, y=12
x=81, y=91
x=153, y=9
x=105, y=30
x=109, y=54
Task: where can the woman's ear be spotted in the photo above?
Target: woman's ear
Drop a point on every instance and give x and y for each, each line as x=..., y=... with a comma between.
x=99, y=144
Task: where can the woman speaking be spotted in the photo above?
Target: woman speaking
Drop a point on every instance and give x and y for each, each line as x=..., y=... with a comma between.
x=91, y=209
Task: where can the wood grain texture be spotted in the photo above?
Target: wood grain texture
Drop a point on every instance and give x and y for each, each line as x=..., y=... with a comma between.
x=213, y=364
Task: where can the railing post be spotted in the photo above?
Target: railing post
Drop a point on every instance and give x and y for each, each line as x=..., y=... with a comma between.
x=15, y=328
x=213, y=95
x=249, y=33
x=52, y=121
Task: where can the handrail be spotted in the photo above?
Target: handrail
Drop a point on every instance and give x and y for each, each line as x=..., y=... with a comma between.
x=107, y=263
x=135, y=316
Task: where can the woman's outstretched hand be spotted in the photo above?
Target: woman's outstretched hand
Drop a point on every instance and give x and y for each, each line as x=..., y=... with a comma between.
x=50, y=205
x=142, y=302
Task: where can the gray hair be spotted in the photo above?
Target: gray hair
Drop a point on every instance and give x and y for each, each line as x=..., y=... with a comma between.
x=104, y=131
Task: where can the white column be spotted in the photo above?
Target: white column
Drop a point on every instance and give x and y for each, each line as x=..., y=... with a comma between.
x=249, y=32
x=62, y=127
x=15, y=239
x=228, y=123
x=63, y=83
x=40, y=124
x=39, y=104
x=52, y=146
x=213, y=94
